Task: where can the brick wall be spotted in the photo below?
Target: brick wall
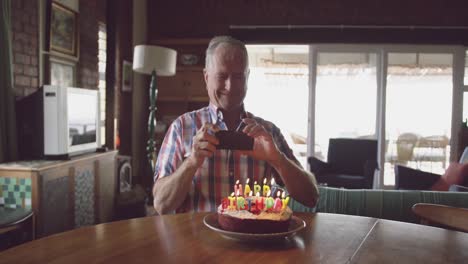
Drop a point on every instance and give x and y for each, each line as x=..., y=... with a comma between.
x=25, y=34
x=87, y=67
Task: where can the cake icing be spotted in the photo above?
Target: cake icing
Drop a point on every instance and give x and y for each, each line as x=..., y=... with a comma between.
x=242, y=212
x=264, y=215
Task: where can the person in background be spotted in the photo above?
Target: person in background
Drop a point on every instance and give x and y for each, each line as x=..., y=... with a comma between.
x=191, y=174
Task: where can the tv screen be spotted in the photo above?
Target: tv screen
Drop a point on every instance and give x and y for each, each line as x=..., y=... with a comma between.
x=82, y=110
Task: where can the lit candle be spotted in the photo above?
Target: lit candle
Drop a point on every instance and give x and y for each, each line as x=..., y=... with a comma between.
x=249, y=201
x=225, y=203
x=246, y=188
x=256, y=187
x=273, y=187
x=241, y=203
x=278, y=204
x=269, y=201
x=238, y=188
x=259, y=202
x=266, y=188
x=285, y=201
x=232, y=200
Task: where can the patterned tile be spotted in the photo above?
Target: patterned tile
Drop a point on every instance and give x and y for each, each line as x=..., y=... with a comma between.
x=84, y=197
x=15, y=193
x=55, y=205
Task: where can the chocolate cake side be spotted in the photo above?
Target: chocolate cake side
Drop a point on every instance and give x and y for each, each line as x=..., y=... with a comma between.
x=255, y=226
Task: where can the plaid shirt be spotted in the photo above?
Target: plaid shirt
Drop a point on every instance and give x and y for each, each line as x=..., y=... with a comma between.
x=217, y=175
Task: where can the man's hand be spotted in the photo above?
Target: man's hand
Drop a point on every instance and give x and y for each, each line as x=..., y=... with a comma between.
x=264, y=147
x=203, y=144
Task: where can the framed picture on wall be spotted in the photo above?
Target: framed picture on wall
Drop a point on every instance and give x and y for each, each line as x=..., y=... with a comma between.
x=127, y=76
x=62, y=73
x=63, y=30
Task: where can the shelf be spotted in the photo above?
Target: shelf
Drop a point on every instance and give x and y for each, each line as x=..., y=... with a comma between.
x=190, y=68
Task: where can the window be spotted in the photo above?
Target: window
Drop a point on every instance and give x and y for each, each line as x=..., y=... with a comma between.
x=280, y=74
x=466, y=68
x=384, y=92
x=465, y=93
x=418, y=134
x=346, y=95
x=102, y=50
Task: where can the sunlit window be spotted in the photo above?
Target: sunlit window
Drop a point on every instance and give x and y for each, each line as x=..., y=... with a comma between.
x=465, y=107
x=279, y=91
x=466, y=68
x=346, y=95
x=102, y=42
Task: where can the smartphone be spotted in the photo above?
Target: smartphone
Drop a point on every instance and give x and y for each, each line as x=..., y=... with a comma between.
x=234, y=140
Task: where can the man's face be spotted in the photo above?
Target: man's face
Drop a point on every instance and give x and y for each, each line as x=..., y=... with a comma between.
x=226, y=78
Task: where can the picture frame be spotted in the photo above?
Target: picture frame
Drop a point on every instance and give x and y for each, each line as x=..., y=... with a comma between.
x=127, y=76
x=63, y=28
x=62, y=73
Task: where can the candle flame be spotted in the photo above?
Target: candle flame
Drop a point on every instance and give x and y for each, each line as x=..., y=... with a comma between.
x=247, y=182
x=272, y=181
x=268, y=193
x=232, y=194
x=255, y=182
x=237, y=182
x=250, y=193
x=283, y=195
x=278, y=194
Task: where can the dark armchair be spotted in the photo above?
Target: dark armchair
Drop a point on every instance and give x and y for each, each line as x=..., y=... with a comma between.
x=413, y=179
x=407, y=178
x=351, y=163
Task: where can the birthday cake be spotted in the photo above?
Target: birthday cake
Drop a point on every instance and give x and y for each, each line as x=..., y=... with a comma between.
x=243, y=212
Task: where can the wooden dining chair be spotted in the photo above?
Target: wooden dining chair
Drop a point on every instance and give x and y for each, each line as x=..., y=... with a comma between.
x=443, y=216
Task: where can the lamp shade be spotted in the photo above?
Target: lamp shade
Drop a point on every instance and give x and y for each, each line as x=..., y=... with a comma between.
x=147, y=58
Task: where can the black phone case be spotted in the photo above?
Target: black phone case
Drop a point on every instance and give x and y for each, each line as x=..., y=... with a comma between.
x=234, y=140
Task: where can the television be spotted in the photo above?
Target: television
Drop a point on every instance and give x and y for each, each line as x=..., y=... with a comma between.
x=58, y=122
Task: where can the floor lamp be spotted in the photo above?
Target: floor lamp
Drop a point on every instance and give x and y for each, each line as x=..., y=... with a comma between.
x=157, y=61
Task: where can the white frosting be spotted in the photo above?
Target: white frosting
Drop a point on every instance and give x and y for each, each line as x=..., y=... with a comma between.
x=244, y=214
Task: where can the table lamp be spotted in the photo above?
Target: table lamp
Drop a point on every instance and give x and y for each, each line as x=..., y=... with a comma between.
x=158, y=61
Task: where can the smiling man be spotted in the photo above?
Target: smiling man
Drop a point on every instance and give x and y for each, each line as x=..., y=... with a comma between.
x=192, y=174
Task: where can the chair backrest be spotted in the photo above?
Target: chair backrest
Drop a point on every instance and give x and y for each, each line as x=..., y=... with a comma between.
x=348, y=155
x=442, y=215
x=405, y=146
x=407, y=178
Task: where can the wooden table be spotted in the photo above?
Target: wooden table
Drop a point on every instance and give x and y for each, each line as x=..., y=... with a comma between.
x=183, y=238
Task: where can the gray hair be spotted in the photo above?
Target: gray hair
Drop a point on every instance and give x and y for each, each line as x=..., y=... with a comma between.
x=219, y=40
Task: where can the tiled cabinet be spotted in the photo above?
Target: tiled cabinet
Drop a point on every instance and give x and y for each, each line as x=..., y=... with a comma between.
x=62, y=194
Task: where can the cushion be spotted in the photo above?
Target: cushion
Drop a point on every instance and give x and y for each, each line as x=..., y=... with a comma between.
x=456, y=173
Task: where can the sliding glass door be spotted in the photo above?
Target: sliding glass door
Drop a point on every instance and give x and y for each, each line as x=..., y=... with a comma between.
x=346, y=97
x=403, y=96
x=410, y=98
x=278, y=91
x=418, y=111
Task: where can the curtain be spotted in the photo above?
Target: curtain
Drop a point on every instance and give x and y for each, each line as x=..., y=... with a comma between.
x=8, y=147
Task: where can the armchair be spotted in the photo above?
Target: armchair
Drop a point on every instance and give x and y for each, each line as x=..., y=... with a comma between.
x=413, y=179
x=351, y=163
